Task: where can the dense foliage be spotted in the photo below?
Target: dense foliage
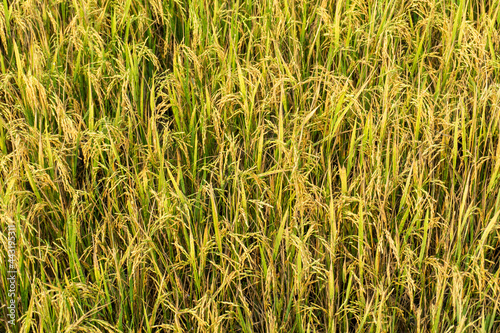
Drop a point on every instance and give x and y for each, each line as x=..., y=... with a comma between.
x=251, y=166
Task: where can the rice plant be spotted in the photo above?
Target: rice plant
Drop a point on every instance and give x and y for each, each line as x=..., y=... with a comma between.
x=250, y=166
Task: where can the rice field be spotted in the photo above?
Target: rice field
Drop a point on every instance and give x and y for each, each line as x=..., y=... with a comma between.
x=250, y=166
